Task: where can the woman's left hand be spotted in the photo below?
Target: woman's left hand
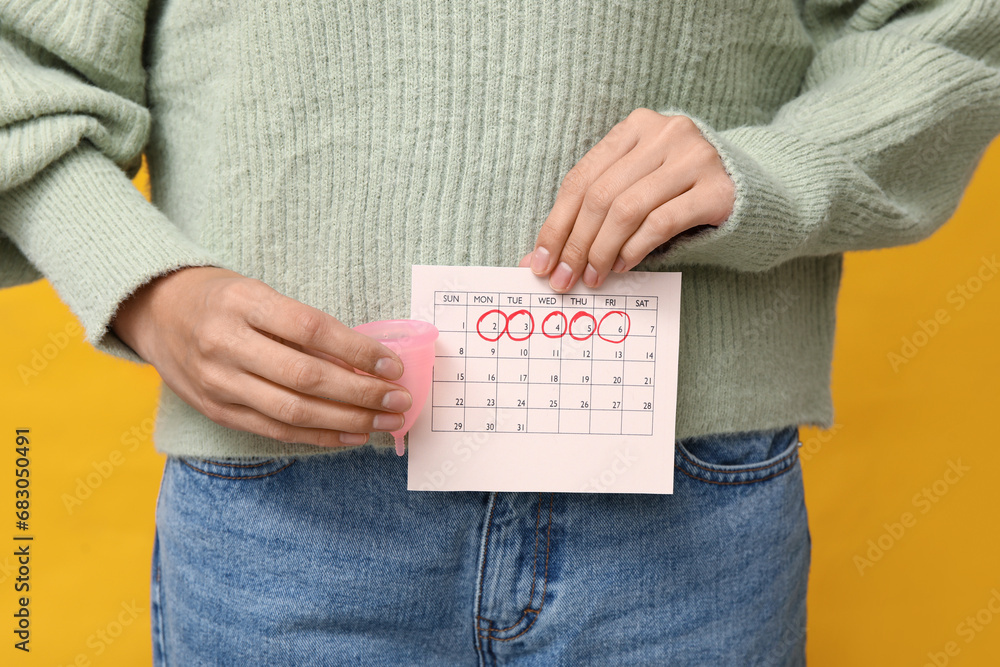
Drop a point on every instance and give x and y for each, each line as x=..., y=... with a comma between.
x=651, y=178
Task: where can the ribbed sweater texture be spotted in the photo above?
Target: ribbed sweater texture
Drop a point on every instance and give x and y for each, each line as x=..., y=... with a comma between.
x=324, y=147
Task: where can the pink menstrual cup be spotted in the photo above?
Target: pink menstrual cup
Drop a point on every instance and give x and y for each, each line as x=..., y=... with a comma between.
x=413, y=342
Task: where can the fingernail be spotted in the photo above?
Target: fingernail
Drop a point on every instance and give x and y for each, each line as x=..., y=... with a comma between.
x=388, y=368
x=561, y=277
x=354, y=438
x=619, y=265
x=539, y=261
x=396, y=401
x=590, y=276
x=387, y=422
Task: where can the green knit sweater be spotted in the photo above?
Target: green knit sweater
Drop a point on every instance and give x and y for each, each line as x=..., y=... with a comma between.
x=326, y=146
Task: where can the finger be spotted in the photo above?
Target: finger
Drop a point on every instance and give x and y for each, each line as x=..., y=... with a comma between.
x=307, y=350
x=298, y=409
x=310, y=327
x=243, y=418
x=557, y=227
x=313, y=376
x=526, y=260
x=675, y=216
x=622, y=195
x=631, y=208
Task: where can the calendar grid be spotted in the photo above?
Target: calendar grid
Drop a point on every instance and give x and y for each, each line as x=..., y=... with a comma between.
x=621, y=415
x=544, y=363
x=559, y=394
x=527, y=390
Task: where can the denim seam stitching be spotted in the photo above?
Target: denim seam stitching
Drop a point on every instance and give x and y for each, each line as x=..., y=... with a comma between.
x=545, y=582
x=212, y=474
x=238, y=465
x=534, y=578
x=482, y=569
x=740, y=470
x=160, y=639
x=534, y=571
x=748, y=481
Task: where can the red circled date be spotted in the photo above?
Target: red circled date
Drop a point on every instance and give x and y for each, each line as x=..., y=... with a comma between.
x=555, y=330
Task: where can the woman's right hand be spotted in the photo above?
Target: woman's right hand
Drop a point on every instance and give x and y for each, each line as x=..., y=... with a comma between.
x=253, y=359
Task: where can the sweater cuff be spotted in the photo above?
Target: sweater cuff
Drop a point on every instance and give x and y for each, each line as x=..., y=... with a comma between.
x=761, y=227
x=783, y=189
x=86, y=228
x=15, y=269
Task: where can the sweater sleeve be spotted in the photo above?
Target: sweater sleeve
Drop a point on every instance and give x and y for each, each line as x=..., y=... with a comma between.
x=897, y=107
x=72, y=128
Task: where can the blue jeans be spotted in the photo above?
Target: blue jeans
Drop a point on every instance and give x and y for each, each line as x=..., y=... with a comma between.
x=329, y=560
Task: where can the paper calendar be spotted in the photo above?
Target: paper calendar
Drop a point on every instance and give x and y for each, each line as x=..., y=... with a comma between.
x=539, y=391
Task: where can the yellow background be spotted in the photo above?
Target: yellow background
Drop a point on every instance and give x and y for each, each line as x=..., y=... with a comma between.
x=897, y=431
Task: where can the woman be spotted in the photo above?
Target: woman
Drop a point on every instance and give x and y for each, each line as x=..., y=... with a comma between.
x=303, y=155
